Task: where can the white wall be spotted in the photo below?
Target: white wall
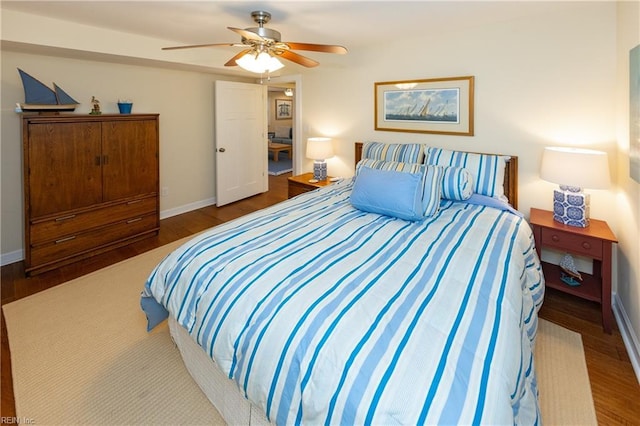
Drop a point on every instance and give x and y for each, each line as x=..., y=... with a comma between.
x=628, y=202
x=539, y=81
x=183, y=99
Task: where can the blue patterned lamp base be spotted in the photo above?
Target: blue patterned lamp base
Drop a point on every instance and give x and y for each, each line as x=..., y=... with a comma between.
x=571, y=206
x=320, y=170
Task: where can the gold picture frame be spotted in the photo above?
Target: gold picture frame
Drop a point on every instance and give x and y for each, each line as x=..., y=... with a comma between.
x=438, y=105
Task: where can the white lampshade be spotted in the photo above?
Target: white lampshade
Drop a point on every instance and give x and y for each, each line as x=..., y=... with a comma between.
x=576, y=167
x=319, y=148
x=261, y=63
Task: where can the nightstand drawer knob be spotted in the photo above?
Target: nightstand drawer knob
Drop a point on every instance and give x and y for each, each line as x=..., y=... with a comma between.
x=586, y=245
x=555, y=238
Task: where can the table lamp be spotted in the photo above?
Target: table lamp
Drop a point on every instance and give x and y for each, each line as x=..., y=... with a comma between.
x=574, y=169
x=319, y=149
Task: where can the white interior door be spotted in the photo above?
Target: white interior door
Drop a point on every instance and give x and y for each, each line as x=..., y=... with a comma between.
x=240, y=141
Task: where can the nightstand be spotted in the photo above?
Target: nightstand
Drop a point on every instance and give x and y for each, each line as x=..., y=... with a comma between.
x=300, y=184
x=593, y=242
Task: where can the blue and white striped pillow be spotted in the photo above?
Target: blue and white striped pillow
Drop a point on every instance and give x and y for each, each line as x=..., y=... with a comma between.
x=457, y=184
x=432, y=189
x=389, y=165
x=401, y=152
x=487, y=169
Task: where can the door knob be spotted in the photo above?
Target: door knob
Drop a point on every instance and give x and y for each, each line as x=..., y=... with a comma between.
x=221, y=150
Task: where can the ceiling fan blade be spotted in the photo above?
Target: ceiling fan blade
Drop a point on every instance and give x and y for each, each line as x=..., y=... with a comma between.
x=200, y=45
x=246, y=34
x=326, y=48
x=298, y=59
x=232, y=62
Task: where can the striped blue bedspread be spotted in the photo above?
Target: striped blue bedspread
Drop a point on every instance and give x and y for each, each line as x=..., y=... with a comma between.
x=324, y=314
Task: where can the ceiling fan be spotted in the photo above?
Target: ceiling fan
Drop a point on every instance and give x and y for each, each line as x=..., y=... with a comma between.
x=263, y=46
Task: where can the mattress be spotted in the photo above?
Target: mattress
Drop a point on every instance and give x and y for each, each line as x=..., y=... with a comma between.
x=218, y=388
x=320, y=313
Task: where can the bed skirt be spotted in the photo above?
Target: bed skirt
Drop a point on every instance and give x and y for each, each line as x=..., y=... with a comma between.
x=218, y=388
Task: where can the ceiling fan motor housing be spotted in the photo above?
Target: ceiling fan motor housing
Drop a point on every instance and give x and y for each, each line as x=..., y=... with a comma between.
x=267, y=33
x=261, y=17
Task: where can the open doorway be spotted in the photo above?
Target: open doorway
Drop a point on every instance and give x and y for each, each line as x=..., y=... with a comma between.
x=280, y=127
x=278, y=85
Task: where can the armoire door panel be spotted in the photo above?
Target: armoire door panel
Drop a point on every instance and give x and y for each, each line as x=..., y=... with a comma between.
x=130, y=165
x=64, y=172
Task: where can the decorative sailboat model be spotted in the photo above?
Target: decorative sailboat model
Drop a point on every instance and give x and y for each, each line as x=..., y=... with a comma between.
x=40, y=98
x=569, y=274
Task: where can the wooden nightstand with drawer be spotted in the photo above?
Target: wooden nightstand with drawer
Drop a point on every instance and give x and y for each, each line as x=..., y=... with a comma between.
x=300, y=184
x=594, y=242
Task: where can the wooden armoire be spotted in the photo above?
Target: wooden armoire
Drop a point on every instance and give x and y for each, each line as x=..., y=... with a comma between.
x=91, y=184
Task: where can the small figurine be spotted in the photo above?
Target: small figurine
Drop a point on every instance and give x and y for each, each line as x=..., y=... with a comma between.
x=96, y=106
x=569, y=274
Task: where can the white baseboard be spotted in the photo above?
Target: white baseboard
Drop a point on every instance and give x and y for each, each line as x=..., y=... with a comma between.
x=629, y=335
x=12, y=257
x=187, y=208
x=18, y=255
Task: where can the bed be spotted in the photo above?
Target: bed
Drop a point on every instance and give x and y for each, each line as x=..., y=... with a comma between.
x=320, y=311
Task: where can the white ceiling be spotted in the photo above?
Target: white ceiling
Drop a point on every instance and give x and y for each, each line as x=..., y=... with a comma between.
x=354, y=24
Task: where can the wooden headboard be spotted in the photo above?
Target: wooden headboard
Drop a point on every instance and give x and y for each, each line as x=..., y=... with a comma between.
x=510, y=176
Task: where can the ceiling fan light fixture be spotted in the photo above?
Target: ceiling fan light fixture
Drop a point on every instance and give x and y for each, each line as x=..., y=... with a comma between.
x=260, y=63
x=263, y=47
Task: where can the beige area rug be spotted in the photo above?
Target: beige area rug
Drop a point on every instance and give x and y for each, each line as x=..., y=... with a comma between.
x=81, y=354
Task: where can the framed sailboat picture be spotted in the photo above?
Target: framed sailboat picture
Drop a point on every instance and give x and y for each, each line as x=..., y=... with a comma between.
x=439, y=105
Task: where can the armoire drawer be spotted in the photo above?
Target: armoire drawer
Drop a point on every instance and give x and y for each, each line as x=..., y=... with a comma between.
x=55, y=228
x=75, y=244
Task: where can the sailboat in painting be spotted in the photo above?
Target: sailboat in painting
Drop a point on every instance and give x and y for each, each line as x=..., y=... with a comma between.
x=39, y=97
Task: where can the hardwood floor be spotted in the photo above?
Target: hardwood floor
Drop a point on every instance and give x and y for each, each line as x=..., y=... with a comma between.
x=616, y=391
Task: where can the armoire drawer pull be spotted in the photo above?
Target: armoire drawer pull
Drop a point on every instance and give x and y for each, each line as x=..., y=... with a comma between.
x=62, y=240
x=586, y=245
x=60, y=219
x=555, y=238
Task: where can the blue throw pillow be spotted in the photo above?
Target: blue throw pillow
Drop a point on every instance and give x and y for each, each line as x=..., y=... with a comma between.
x=390, y=193
x=405, y=195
